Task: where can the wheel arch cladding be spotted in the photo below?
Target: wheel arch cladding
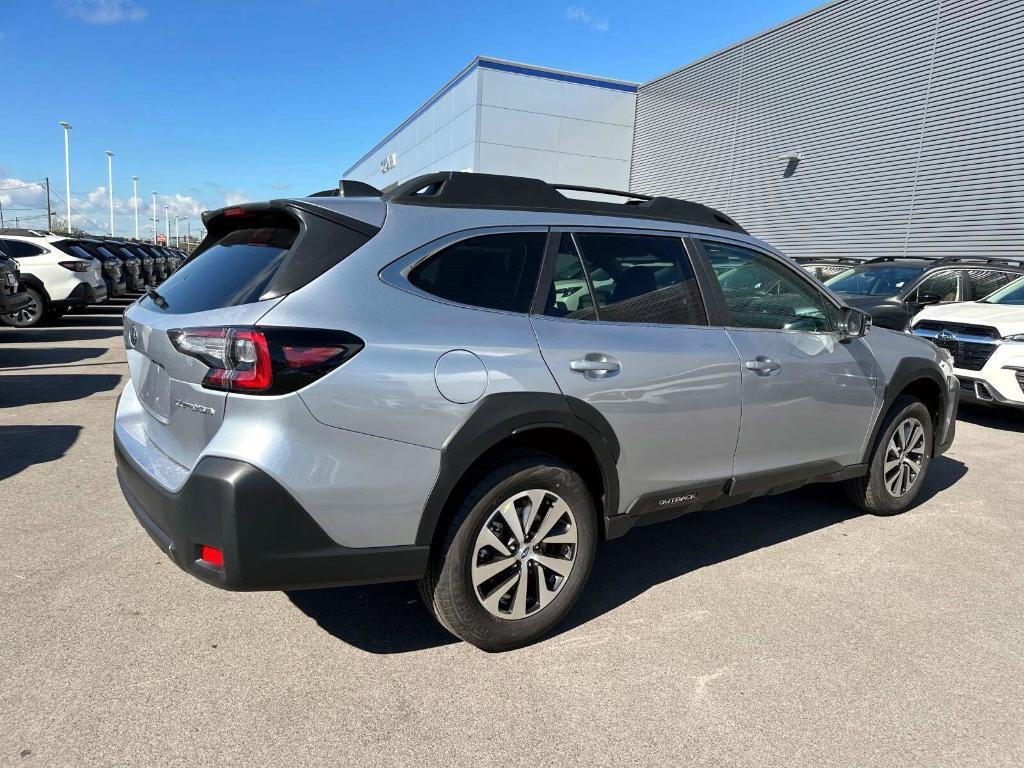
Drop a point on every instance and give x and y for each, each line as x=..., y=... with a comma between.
x=507, y=422
x=920, y=378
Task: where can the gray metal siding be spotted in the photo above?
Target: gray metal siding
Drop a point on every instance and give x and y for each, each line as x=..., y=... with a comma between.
x=908, y=115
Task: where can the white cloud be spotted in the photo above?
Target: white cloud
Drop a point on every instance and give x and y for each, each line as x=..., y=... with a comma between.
x=579, y=14
x=102, y=11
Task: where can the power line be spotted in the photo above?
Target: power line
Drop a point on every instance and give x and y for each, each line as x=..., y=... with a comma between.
x=26, y=186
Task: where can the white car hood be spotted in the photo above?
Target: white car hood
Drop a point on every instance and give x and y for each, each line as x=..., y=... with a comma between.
x=1007, y=319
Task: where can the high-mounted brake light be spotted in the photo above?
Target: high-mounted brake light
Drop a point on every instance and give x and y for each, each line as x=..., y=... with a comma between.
x=236, y=212
x=265, y=361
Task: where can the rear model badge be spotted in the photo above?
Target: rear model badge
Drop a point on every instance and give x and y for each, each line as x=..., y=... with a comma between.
x=195, y=407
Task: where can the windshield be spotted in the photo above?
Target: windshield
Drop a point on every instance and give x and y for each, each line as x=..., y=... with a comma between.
x=874, y=281
x=1012, y=293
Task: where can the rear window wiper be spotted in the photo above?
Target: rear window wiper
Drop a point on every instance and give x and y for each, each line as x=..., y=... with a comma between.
x=159, y=300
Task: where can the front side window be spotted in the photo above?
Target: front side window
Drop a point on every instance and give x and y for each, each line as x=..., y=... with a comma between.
x=874, y=280
x=626, y=279
x=982, y=282
x=760, y=292
x=491, y=271
x=939, y=287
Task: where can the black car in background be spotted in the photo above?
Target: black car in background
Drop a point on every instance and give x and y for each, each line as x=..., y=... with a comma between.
x=113, y=266
x=134, y=277
x=13, y=296
x=894, y=289
x=150, y=275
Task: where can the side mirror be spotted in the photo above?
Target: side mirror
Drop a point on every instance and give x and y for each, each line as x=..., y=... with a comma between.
x=928, y=298
x=854, y=323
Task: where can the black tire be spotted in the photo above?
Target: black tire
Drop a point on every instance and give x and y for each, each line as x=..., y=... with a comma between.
x=872, y=493
x=30, y=316
x=55, y=313
x=447, y=588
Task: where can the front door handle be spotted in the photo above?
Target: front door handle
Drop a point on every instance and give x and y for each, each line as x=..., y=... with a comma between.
x=763, y=366
x=595, y=365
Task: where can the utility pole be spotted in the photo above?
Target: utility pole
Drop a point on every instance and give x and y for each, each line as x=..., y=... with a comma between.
x=1, y=215
x=49, y=213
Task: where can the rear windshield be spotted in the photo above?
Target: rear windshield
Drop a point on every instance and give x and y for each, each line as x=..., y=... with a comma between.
x=236, y=270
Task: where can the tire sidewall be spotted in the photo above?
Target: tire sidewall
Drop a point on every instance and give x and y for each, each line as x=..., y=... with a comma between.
x=475, y=623
x=887, y=503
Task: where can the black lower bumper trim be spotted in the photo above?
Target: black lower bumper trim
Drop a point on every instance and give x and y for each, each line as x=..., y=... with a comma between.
x=269, y=541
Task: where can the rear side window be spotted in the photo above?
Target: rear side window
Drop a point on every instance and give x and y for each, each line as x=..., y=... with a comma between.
x=491, y=271
x=18, y=249
x=629, y=279
x=237, y=269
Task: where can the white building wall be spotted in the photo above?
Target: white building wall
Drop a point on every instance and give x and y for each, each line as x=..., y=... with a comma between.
x=529, y=122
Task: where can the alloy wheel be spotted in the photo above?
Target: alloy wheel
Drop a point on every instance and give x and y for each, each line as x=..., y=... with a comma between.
x=524, y=554
x=29, y=314
x=904, y=457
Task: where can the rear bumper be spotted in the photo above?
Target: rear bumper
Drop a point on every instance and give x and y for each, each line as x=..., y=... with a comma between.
x=115, y=287
x=13, y=302
x=83, y=295
x=269, y=541
x=135, y=282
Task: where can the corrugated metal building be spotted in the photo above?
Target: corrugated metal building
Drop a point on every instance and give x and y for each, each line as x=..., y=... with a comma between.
x=866, y=126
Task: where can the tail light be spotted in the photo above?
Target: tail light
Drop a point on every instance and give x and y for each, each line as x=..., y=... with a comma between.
x=75, y=266
x=265, y=361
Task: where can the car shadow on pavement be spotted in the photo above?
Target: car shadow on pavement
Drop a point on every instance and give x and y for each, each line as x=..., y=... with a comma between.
x=389, y=618
x=51, y=334
x=23, y=446
x=86, y=321
x=18, y=390
x=20, y=357
x=1006, y=419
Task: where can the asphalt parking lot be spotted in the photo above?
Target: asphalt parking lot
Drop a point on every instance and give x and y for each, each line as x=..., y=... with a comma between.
x=789, y=631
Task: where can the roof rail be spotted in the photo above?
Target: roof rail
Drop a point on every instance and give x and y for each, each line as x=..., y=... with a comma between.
x=452, y=189
x=877, y=259
x=832, y=259
x=1014, y=261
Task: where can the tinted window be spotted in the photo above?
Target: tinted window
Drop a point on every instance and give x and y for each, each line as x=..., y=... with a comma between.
x=982, y=282
x=1013, y=293
x=635, y=279
x=235, y=270
x=19, y=249
x=944, y=285
x=763, y=293
x=874, y=281
x=492, y=271
x=569, y=294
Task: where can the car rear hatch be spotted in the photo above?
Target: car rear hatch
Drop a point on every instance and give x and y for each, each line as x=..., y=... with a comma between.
x=252, y=257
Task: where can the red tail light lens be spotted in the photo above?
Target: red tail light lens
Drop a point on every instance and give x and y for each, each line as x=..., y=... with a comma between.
x=265, y=361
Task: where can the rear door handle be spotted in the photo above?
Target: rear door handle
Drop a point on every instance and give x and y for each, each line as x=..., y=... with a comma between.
x=763, y=366
x=595, y=365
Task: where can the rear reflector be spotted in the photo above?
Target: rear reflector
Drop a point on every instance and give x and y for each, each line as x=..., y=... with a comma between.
x=265, y=361
x=211, y=556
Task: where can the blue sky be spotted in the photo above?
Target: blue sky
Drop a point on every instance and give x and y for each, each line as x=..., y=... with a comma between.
x=227, y=100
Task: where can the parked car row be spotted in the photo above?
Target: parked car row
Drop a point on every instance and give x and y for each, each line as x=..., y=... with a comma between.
x=971, y=307
x=56, y=273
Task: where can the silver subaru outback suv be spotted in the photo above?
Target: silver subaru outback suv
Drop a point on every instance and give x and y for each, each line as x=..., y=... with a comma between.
x=471, y=380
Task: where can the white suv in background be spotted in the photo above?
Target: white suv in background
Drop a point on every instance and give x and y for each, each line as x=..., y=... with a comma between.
x=55, y=279
x=986, y=339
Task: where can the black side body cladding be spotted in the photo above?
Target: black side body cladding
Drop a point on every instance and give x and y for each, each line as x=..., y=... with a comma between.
x=505, y=415
x=269, y=541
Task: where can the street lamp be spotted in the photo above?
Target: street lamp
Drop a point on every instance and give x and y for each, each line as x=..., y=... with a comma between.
x=154, y=218
x=110, y=187
x=167, y=224
x=135, y=203
x=67, y=167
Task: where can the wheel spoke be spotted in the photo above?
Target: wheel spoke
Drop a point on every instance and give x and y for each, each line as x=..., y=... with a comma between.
x=890, y=464
x=559, y=566
x=566, y=537
x=482, y=573
x=555, y=513
x=519, y=601
x=491, y=602
x=536, y=502
x=511, y=516
x=487, y=538
x=544, y=594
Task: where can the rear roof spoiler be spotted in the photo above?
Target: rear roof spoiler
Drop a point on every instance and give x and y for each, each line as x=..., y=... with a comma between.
x=349, y=188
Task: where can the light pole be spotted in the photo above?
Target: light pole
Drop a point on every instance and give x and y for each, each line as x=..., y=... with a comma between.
x=177, y=239
x=135, y=203
x=67, y=168
x=167, y=225
x=110, y=187
x=154, y=218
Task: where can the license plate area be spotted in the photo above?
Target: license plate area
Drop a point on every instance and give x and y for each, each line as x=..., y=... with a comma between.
x=154, y=388
x=10, y=280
